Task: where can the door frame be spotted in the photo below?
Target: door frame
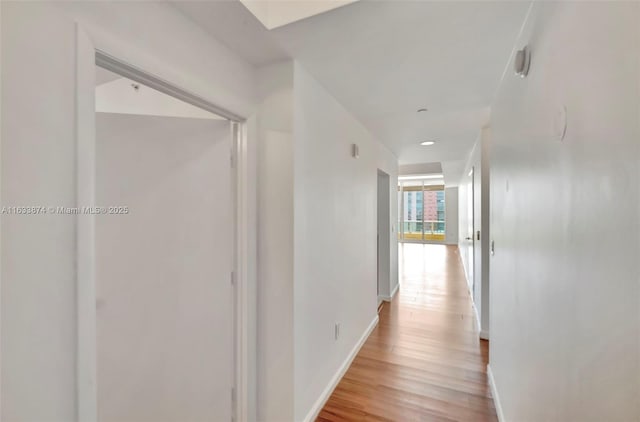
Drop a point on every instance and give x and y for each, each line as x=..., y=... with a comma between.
x=472, y=206
x=88, y=55
x=384, y=184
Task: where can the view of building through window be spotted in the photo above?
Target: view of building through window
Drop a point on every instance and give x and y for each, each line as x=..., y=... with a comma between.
x=421, y=208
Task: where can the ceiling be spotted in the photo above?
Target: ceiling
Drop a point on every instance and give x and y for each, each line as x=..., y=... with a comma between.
x=384, y=60
x=104, y=76
x=117, y=94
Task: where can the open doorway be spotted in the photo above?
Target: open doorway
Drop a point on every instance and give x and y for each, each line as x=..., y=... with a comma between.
x=422, y=209
x=471, y=243
x=164, y=256
x=384, y=237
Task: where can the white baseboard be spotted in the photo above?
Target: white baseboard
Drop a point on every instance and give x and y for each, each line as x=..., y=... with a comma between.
x=319, y=404
x=393, y=293
x=484, y=334
x=494, y=393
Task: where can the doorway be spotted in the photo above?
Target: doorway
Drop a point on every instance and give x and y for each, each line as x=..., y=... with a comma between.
x=471, y=256
x=164, y=256
x=421, y=209
x=384, y=237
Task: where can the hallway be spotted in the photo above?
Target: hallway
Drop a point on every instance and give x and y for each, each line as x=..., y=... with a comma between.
x=424, y=361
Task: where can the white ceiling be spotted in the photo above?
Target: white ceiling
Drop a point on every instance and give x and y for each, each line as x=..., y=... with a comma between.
x=104, y=76
x=383, y=60
x=117, y=94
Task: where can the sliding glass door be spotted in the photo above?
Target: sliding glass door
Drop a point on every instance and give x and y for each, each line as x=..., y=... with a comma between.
x=421, y=211
x=413, y=210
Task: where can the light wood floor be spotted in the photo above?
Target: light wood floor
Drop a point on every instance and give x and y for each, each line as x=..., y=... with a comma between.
x=424, y=361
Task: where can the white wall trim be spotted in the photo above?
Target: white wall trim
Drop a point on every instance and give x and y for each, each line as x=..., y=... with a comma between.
x=484, y=334
x=86, y=330
x=244, y=207
x=244, y=266
x=0, y=222
x=326, y=393
x=115, y=65
x=392, y=295
x=494, y=393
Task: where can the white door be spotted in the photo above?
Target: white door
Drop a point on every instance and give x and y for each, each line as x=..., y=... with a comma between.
x=164, y=296
x=384, y=239
x=470, y=231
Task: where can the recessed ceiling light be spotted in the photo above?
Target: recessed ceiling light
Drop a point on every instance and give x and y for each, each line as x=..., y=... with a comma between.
x=427, y=143
x=422, y=110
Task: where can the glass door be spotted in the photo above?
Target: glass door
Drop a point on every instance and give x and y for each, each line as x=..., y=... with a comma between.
x=421, y=211
x=413, y=212
x=434, y=219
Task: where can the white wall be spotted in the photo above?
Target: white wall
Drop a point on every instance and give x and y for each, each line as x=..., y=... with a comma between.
x=334, y=236
x=479, y=161
x=463, y=225
x=421, y=168
x=159, y=39
x=274, y=118
x=384, y=234
x=38, y=168
x=565, y=290
x=317, y=220
x=388, y=163
x=165, y=312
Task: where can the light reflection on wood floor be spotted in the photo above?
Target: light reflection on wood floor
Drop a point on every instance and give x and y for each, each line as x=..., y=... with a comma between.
x=424, y=361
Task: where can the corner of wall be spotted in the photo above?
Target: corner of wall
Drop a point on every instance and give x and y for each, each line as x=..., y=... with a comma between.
x=272, y=127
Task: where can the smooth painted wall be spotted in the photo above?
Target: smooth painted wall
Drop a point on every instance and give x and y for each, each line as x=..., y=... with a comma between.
x=317, y=227
x=275, y=348
x=383, y=233
x=157, y=38
x=38, y=292
x=335, y=224
x=565, y=311
x=38, y=301
x=38, y=309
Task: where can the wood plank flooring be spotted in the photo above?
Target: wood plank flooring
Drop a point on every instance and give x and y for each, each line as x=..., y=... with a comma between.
x=424, y=360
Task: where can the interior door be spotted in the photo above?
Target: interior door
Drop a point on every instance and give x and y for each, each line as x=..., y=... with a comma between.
x=471, y=230
x=384, y=236
x=163, y=265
